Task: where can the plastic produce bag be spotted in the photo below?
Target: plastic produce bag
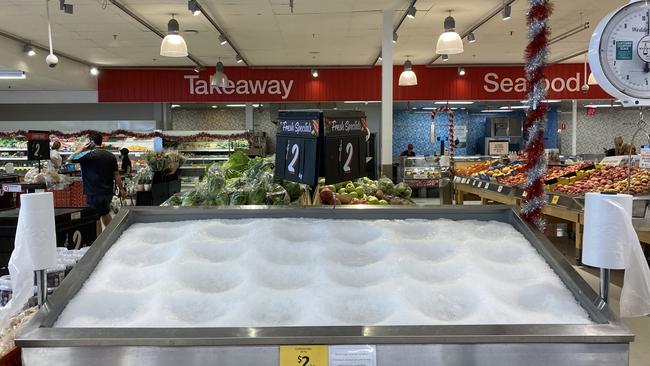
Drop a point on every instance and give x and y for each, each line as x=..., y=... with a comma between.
x=174, y=200
x=257, y=195
x=386, y=185
x=277, y=195
x=239, y=197
x=403, y=190
x=293, y=189
x=215, y=180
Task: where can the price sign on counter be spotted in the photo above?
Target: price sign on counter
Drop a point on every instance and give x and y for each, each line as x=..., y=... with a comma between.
x=304, y=355
x=296, y=153
x=38, y=145
x=487, y=185
x=500, y=189
x=353, y=355
x=554, y=200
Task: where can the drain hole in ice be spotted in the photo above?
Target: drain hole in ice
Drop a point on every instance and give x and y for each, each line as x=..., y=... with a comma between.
x=210, y=278
x=453, y=304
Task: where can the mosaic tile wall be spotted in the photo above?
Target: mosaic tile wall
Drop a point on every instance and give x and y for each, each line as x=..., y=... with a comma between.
x=597, y=132
x=415, y=128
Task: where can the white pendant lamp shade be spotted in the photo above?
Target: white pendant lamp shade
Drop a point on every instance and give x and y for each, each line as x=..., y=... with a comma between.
x=173, y=45
x=219, y=78
x=408, y=77
x=449, y=43
x=592, y=79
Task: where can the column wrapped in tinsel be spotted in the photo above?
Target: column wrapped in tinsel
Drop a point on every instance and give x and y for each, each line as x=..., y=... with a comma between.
x=536, y=54
x=452, y=144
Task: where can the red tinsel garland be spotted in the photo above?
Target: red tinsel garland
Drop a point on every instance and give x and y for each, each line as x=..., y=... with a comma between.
x=536, y=50
x=138, y=135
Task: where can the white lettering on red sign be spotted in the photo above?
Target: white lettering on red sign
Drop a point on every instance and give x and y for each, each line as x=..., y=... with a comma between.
x=241, y=87
x=494, y=84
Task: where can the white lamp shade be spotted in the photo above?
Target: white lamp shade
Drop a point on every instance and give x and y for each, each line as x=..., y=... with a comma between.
x=173, y=45
x=449, y=43
x=592, y=79
x=408, y=78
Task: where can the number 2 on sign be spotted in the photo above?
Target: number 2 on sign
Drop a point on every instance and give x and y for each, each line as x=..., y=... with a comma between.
x=349, y=150
x=295, y=150
x=37, y=150
x=303, y=360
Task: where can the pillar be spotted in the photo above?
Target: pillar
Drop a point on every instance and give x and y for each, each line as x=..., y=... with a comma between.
x=386, y=129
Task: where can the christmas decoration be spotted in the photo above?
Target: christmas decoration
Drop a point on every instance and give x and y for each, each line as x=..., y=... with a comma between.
x=536, y=55
x=138, y=135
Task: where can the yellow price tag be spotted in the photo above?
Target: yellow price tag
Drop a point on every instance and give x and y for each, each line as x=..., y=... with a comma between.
x=555, y=199
x=304, y=355
x=524, y=194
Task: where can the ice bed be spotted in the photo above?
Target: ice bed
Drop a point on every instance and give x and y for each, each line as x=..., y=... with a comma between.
x=460, y=285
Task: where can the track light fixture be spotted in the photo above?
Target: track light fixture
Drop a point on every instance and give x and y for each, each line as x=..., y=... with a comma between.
x=471, y=38
x=395, y=36
x=445, y=58
x=67, y=8
x=461, y=71
x=173, y=45
x=193, y=7
x=222, y=40
x=29, y=50
x=379, y=58
x=94, y=71
x=314, y=73
x=411, y=12
x=239, y=59
x=505, y=13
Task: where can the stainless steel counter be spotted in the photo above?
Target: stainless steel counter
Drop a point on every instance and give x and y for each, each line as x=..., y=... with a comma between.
x=606, y=342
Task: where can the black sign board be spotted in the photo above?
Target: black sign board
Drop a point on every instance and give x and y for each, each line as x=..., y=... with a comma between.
x=315, y=143
x=38, y=145
x=296, y=154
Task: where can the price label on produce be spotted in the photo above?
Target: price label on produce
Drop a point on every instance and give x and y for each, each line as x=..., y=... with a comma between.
x=500, y=189
x=304, y=355
x=524, y=194
x=554, y=200
x=487, y=185
x=479, y=184
x=347, y=355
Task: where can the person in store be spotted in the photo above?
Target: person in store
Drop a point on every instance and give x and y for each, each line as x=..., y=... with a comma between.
x=126, y=166
x=618, y=144
x=409, y=151
x=55, y=158
x=100, y=175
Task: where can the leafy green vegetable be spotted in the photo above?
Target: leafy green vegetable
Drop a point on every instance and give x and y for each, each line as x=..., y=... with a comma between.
x=237, y=163
x=238, y=198
x=174, y=200
x=293, y=189
x=277, y=195
x=257, y=196
x=386, y=185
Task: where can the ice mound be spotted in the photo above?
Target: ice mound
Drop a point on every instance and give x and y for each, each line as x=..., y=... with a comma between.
x=305, y=272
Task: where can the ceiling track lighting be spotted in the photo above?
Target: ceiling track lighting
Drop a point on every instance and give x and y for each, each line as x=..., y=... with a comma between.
x=29, y=50
x=408, y=77
x=219, y=78
x=489, y=16
x=471, y=38
x=461, y=71
x=173, y=45
x=410, y=13
x=193, y=7
x=395, y=36
x=445, y=58
x=506, y=12
x=239, y=59
x=94, y=71
x=569, y=33
x=66, y=8
x=222, y=40
x=449, y=42
x=314, y=73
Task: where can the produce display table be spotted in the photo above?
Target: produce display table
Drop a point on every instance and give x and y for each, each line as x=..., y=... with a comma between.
x=606, y=339
x=487, y=191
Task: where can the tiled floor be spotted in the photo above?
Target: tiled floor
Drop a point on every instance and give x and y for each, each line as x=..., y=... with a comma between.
x=640, y=348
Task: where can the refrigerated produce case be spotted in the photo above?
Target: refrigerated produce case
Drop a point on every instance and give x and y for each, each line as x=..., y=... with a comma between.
x=420, y=171
x=605, y=341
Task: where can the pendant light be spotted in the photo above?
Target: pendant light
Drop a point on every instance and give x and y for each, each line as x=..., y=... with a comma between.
x=408, y=77
x=173, y=45
x=219, y=78
x=449, y=43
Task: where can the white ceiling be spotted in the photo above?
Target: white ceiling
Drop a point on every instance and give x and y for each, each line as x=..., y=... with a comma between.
x=319, y=32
